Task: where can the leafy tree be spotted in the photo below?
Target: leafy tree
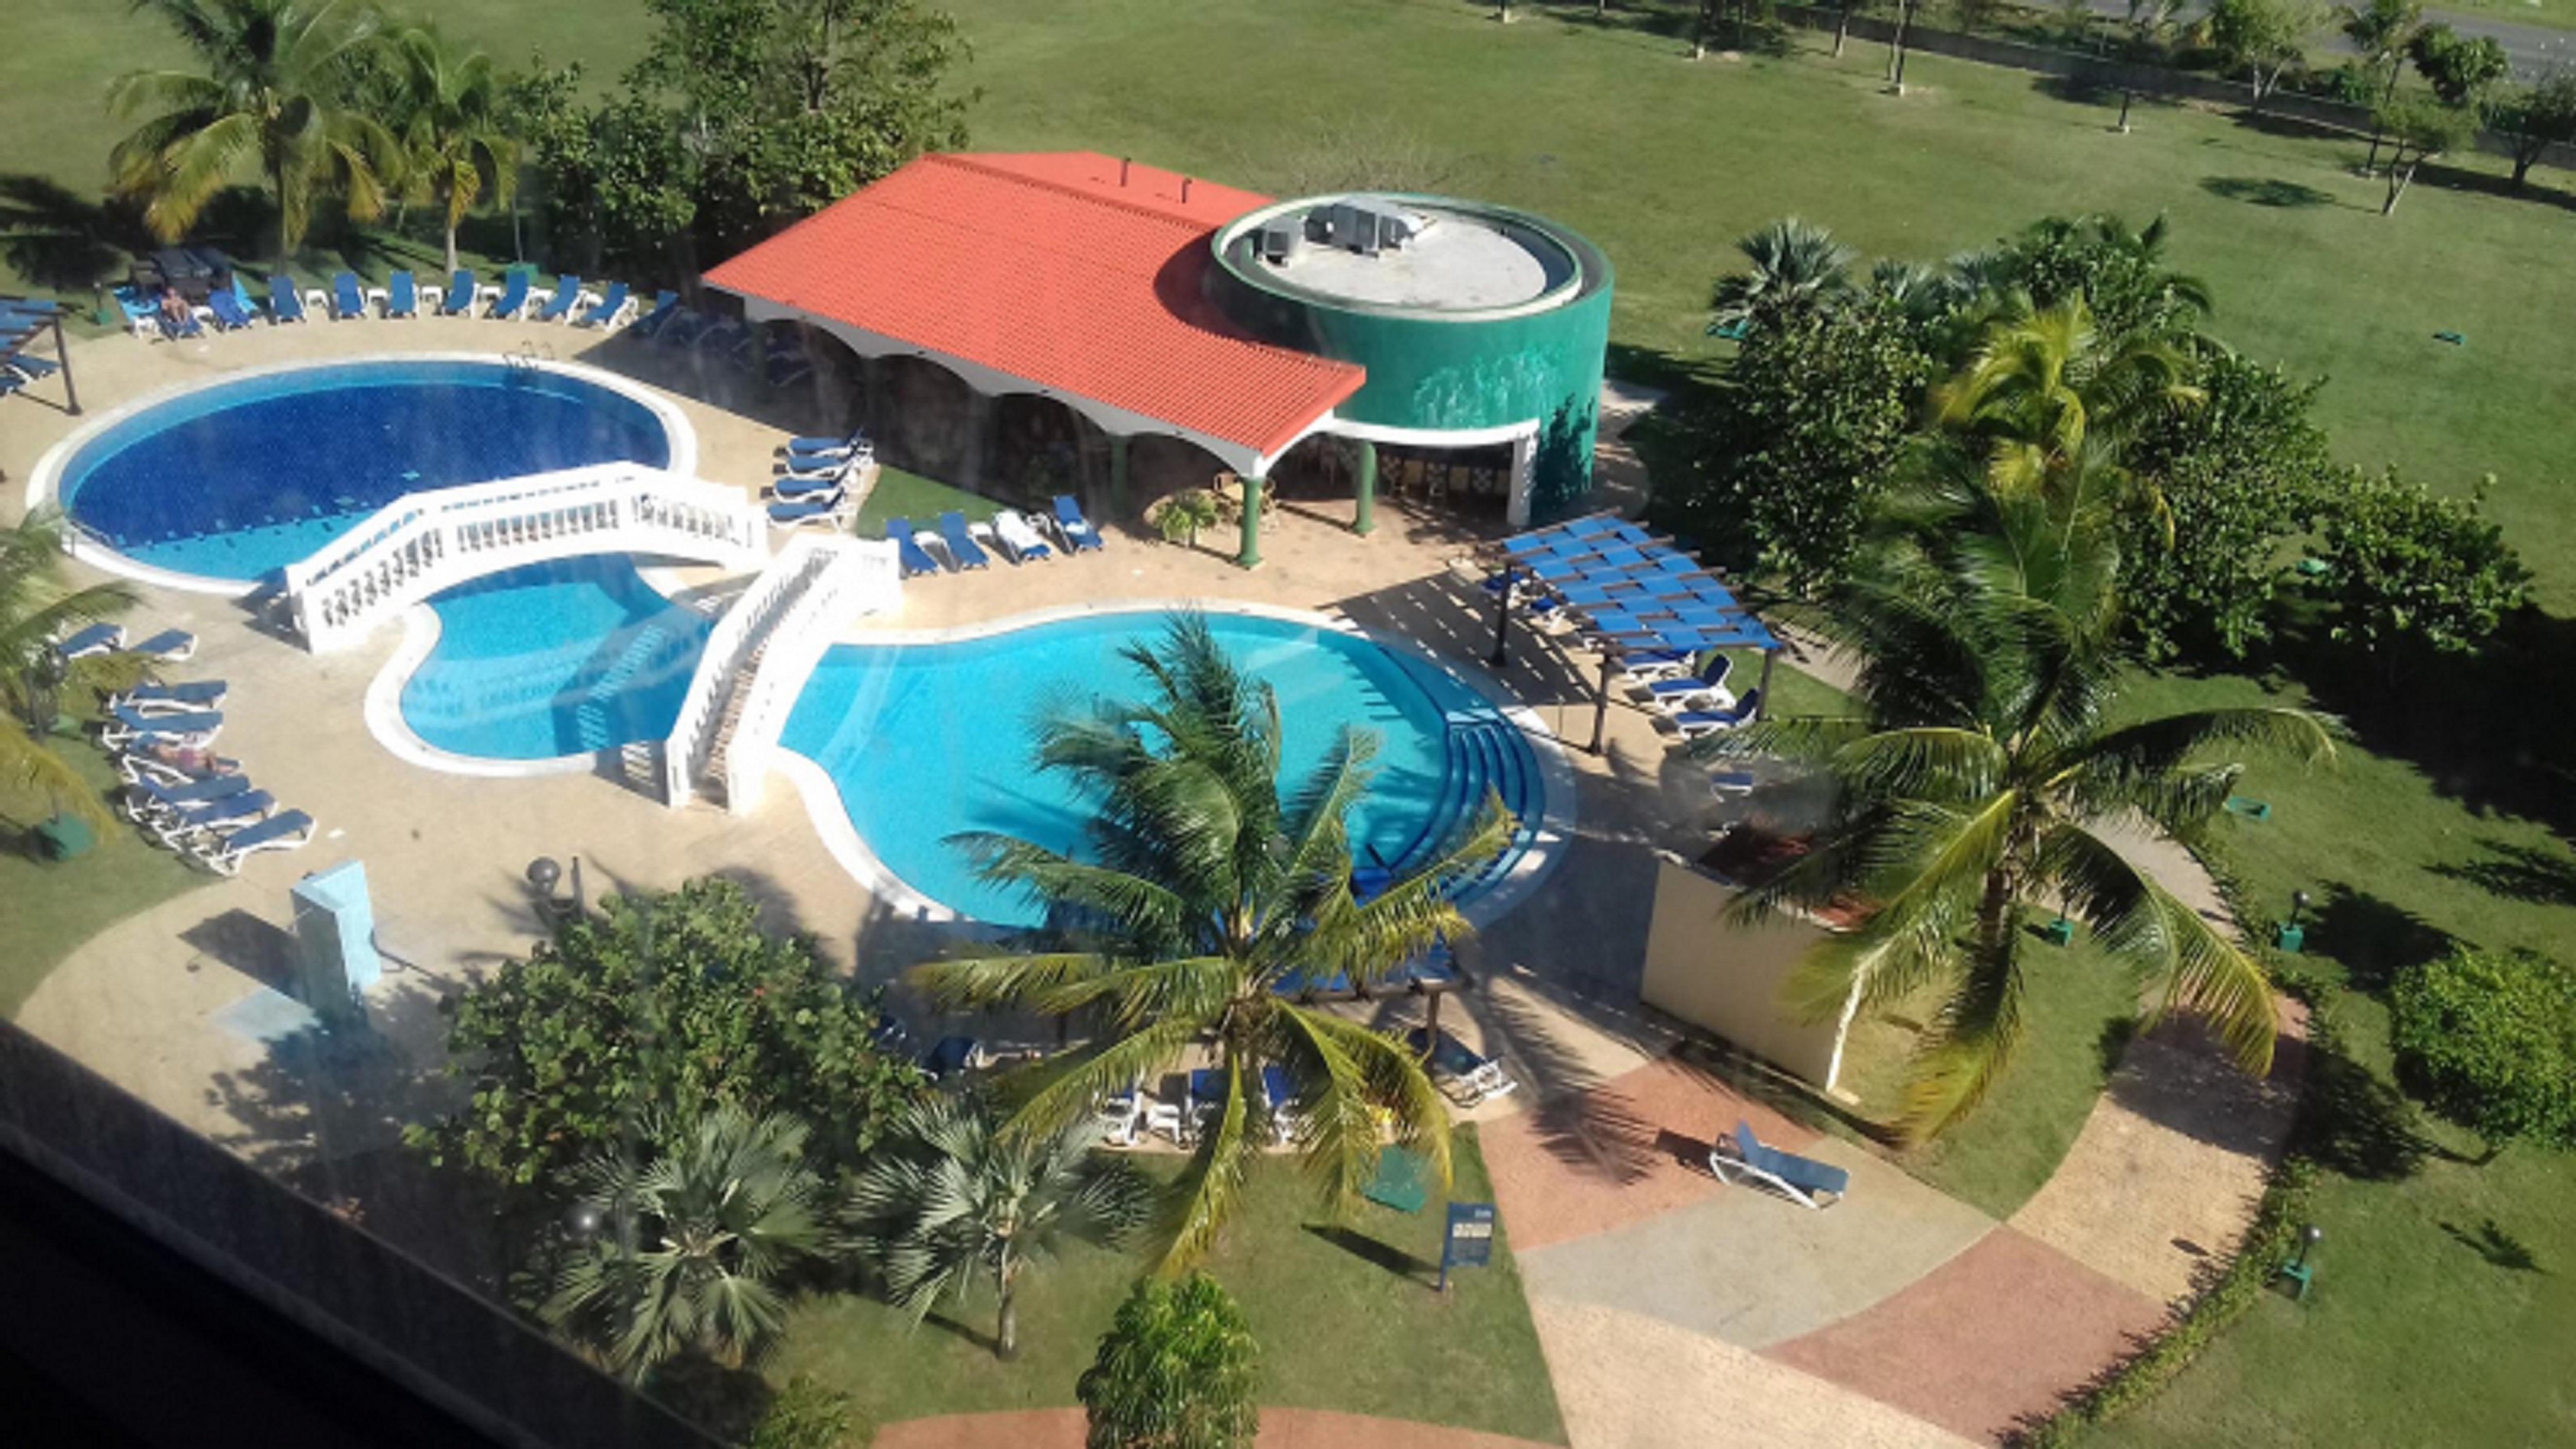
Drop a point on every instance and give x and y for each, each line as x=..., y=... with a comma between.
x=2418, y=128
x=271, y=104
x=451, y=127
x=36, y=607
x=2534, y=117
x=1797, y=268
x=1984, y=763
x=1790, y=455
x=953, y=1205
x=2238, y=474
x=2381, y=30
x=2263, y=37
x=1203, y=885
x=2120, y=273
x=2457, y=67
x=693, y=1238
x=2048, y=395
x=2402, y=564
x=1177, y=1370
x=2489, y=1041
x=660, y=1007
x=614, y=178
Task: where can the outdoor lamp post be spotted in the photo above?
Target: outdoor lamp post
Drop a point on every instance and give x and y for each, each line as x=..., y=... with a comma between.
x=2299, y=1269
x=544, y=874
x=1502, y=618
x=2292, y=935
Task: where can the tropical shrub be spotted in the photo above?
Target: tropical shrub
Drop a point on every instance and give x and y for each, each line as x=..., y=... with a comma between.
x=1177, y=1370
x=805, y=1415
x=2488, y=1040
x=2404, y=565
x=36, y=606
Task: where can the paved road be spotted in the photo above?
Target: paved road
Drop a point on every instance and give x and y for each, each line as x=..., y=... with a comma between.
x=2533, y=48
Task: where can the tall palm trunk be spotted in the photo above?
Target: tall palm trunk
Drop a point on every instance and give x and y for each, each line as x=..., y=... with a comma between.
x=1006, y=1326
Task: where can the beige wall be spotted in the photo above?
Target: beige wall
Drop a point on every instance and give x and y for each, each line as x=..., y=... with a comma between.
x=1725, y=978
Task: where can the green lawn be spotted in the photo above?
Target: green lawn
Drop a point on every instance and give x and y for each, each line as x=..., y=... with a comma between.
x=920, y=500
x=1347, y=1320
x=52, y=908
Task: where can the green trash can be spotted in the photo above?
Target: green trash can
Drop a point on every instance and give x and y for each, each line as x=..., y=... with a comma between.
x=65, y=837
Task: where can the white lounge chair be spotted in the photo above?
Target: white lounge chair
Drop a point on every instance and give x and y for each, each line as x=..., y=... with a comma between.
x=1802, y=1180
x=1019, y=538
x=224, y=854
x=1468, y=1077
x=162, y=699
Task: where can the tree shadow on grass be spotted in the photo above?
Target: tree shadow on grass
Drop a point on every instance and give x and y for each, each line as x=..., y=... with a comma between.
x=2501, y=1249
x=2269, y=191
x=2375, y=939
x=2536, y=874
x=2355, y=1123
x=56, y=238
x=1360, y=1245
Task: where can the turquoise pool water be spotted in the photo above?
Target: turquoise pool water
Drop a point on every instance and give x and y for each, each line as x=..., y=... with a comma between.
x=555, y=659
x=240, y=479
x=923, y=741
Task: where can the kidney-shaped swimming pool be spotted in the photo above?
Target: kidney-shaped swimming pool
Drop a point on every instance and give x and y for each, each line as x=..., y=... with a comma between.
x=238, y=479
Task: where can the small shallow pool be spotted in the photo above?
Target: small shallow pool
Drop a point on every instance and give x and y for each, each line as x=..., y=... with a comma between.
x=239, y=479
x=921, y=741
x=563, y=658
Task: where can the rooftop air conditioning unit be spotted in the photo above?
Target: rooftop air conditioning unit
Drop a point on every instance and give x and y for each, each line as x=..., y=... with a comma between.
x=1280, y=238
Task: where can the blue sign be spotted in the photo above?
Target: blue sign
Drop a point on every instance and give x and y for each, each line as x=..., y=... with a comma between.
x=1470, y=1240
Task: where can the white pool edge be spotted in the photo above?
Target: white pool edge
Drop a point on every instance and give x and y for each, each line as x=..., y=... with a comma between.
x=44, y=478
x=1549, y=835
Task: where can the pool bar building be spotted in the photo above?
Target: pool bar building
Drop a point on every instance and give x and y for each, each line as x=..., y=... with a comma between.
x=1077, y=322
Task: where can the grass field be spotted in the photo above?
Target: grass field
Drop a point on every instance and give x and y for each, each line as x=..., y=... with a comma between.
x=1346, y=1318
x=54, y=907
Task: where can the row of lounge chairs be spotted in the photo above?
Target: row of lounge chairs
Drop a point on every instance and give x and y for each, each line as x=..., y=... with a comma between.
x=178, y=790
x=779, y=360
x=1694, y=697
x=513, y=299
x=958, y=546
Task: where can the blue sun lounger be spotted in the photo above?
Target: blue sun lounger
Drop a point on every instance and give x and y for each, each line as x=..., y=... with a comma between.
x=961, y=544
x=346, y=300
x=913, y=559
x=148, y=800
x=828, y=510
x=800, y=451
x=96, y=639
x=461, y=292
x=1710, y=680
x=1460, y=1071
x=1803, y=1180
x=285, y=304
x=402, y=295
x=232, y=310
x=284, y=831
x=568, y=295
x=666, y=305
x=228, y=812
x=194, y=694
x=1077, y=530
x=170, y=646
x=510, y=298
x=1696, y=722
x=800, y=486
x=609, y=309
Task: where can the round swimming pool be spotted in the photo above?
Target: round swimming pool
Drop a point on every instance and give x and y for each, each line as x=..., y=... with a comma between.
x=922, y=741
x=236, y=480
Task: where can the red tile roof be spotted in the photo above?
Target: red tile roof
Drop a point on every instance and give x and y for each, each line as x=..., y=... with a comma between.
x=1048, y=268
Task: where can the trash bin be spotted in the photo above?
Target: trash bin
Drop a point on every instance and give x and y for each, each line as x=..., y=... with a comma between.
x=65, y=837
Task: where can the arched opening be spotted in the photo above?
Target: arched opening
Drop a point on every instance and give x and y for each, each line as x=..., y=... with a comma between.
x=815, y=372
x=925, y=419
x=1040, y=448
x=1470, y=483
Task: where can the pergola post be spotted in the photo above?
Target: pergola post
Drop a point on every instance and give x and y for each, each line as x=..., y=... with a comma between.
x=1769, y=658
x=1250, y=557
x=63, y=355
x=1601, y=699
x=1118, y=475
x=1364, y=486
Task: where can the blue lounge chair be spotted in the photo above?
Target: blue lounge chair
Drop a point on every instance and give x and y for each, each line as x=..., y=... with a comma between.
x=785, y=363
x=951, y=1054
x=29, y=366
x=510, y=298
x=805, y=452
x=1079, y=535
x=194, y=694
x=1710, y=680
x=1803, y=1180
x=179, y=767
x=913, y=559
x=666, y=304
x=1696, y=722
x=128, y=728
x=461, y=292
x=1460, y=1071
x=227, y=812
x=727, y=339
x=402, y=295
x=683, y=328
x=96, y=639
x=828, y=511
x=568, y=295
x=232, y=312
x=347, y=300
x=148, y=800
x=170, y=646
x=225, y=853
x=10, y=382
x=138, y=310
x=611, y=307
x=285, y=304
x=961, y=545
x=799, y=487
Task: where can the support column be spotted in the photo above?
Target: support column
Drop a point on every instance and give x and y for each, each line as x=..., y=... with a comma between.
x=1364, y=487
x=1524, y=478
x=1250, y=557
x=1118, y=476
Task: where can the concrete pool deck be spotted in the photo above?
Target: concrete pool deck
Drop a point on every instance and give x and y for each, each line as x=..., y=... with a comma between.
x=1673, y=1310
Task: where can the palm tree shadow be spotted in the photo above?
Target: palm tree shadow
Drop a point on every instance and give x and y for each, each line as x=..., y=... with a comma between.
x=2268, y=191
x=946, y=1324
x=58, y=239
x=2532, y=873
x=2501, y=1249
x=1360, y=1245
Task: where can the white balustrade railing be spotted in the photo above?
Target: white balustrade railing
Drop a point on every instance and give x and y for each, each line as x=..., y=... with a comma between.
x=424, y=542
x=865, y=577
x=736, y=639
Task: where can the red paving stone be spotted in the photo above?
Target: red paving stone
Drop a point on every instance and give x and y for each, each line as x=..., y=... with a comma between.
x=1280, y=1429
x=1996, y=1334
x=1632, y=1148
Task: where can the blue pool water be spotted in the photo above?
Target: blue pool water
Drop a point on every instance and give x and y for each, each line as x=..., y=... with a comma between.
x=924, y=741
x=555, y=659
x=237, y=480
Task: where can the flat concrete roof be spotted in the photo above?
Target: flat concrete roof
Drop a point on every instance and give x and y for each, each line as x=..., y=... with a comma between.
x=1457, y=262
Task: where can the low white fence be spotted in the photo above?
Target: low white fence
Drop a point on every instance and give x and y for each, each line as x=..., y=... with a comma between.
x=424, y=542
x=864, y=577
x=736, y=639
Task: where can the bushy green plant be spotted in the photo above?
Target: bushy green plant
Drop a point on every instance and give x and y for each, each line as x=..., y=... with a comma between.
x=2404, y=565
x=659, y=1007
x=2533, y=118
x=1177, y=1370
x=2488, y=1039
x=805, y=1415
x=1185, y=513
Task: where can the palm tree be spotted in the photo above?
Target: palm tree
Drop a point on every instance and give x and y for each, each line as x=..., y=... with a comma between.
x=2045, y=384
x=953, y=1203
x=1981, y=774
x=271, y=106
x=36, y=606
x=693, y=1241
x=1797, y=265
x=453, y=140
x=1202, y=887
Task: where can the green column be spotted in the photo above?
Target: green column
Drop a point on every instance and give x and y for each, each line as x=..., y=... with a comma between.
x=1118, y=475
x=1364, y=486
x=1251, y=556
